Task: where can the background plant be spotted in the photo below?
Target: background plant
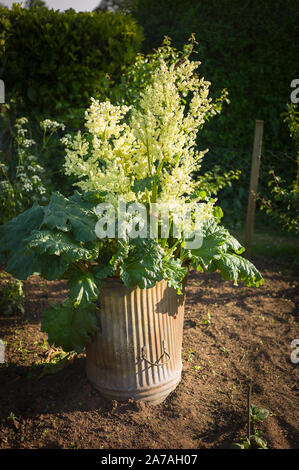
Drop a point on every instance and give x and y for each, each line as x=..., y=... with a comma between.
x=29, y=171
x=255, y=439
x=284, y=203
x=12, y=297
x=55, y=78
x=245, y=46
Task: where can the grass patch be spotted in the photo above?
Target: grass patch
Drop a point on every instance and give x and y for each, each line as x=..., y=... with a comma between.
x=273, y=244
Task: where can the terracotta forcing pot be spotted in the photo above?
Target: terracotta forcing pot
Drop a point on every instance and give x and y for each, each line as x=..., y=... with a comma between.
x=138, y=351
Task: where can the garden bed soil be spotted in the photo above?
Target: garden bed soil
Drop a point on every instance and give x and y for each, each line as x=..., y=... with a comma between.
x=231, y=334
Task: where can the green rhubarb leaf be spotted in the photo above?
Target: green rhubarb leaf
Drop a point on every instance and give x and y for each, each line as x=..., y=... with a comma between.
x=214, y=236
x=82, y=288
x=143, y=265
x=70, y=327
x=233, y=268
x=219, y=252
x=14, y=233
x=120, y=254
x=52, y=267
x=72, y=214
x=101, y=272
x=232, y=244
x=84, y=200
x=216, y=240
x=174, y=272
x=21, y=262
x=24, y=263
x=93, y=248
x=57, y=243
x=28, y=250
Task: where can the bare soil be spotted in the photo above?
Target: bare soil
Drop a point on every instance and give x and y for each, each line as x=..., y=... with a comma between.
x=231, y=333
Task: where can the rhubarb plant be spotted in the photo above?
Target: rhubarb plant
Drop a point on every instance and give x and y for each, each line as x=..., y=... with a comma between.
x=137, y=156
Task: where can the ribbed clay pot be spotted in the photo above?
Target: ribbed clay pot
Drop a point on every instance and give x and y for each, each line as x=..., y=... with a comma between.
x=137, y=352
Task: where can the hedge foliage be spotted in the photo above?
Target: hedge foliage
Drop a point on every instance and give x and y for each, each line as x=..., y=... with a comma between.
x=246, y=46
x=54, y=61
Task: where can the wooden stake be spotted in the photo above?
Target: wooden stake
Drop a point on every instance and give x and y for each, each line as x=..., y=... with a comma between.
x=255, y=168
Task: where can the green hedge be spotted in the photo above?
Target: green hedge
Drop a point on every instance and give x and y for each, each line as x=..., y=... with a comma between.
x=54, y=61
x=250, y=48
x=246, y=46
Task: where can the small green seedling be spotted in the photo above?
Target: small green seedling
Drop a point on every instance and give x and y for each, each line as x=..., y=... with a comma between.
x=12, y=416
x=255, y=440
x=191, y=356
x=207, y=319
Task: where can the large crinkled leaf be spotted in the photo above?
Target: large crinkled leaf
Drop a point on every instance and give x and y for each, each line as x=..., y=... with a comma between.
x=93, y=248
x=216, y=239
x=29, y=250
x=82, y=288
x=85, y=199
x=143, y=265
x=174, y=272
x=68, y=326
x=101, y=272
x=120, y=254
x=232, y=244
x=43, y=255
x=219, y=251
x=23, y=263
x=14, y=232
x=52, y=267
x=57, y=243
x=233, y=268
x=71, y=214
x=214, y=236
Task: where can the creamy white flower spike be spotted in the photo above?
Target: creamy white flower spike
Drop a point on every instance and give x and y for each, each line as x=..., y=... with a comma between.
x=155, y=139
